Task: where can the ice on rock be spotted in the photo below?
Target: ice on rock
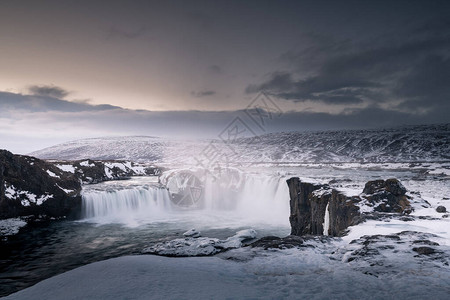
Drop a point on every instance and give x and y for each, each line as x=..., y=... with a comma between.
x=200, y=246
x=240, y=236
x=192, y=233
x=11, y=226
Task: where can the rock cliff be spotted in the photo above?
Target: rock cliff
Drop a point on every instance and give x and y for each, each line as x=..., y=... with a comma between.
x=317, y=209
x=30, y=186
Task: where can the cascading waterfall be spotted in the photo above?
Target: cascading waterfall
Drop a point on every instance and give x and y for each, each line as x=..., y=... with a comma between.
x=257, y=198
x=326, y=221
x=125, y=205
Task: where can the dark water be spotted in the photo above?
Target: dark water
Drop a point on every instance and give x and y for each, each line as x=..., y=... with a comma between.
x=49, y=249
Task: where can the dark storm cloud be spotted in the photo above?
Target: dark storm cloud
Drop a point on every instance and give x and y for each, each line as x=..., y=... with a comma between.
x=413, y=69
x=200, y=94
x=48, y=91
x=10, y=102
x=427, y=85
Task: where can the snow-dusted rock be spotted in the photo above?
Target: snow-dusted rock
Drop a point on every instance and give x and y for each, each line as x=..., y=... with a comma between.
x=314, y=204
x=200, y=246
x=383, y=254
x=320, y=210
x=95, y=171
x=192, y=233
x=11, y=226
x=387, y=196
x=30, y=186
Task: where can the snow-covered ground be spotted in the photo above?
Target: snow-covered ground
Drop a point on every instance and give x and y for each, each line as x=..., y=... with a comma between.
x=429, y=143
x=390, y=257
x=306, y=273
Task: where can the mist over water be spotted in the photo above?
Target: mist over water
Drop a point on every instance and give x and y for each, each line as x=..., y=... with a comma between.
x=255, y=199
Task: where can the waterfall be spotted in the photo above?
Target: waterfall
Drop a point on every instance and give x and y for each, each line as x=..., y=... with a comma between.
x=326, y=221
x=125, y=205
x=255, y=198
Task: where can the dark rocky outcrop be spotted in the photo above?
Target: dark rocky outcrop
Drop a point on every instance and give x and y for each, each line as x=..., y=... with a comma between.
x=387, y=196
x=30, y=186
x=274, y=242
x=315, y=206
x=310, y=203
x=95, y=171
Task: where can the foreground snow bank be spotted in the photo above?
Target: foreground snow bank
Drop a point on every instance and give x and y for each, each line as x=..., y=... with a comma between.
x=243, y=273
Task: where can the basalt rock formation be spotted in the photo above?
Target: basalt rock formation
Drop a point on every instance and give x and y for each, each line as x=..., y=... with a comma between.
x=30, y=186
x=387, y=196
x=317, y=209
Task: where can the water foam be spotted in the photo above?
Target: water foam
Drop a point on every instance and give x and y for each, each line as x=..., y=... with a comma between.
x=257, y=199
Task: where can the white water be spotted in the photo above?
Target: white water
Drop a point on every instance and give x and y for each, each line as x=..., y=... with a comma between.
x=260, y=199
x=326, y=221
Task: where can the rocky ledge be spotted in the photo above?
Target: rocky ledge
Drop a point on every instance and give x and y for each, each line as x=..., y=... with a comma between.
x=51, y=189
x=317, y=209
x=30, y=186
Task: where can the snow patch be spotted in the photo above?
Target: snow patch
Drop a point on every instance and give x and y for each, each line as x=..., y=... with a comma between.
x=116, y=165
x=52, y=174
x=108, y=172
x=65, y=190
x=86, y=163
x=11, y=226
x=11, y=192
x=67, y=168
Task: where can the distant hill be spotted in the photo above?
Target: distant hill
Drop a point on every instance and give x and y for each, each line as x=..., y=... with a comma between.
x=402, y=144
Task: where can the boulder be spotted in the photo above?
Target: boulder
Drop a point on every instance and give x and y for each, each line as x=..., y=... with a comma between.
x=441, y=209
x=387, y=196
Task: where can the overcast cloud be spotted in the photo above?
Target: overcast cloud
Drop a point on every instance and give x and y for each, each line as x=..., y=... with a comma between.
x=187, y=69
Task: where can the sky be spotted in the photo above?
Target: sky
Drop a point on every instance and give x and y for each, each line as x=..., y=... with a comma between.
x=185, y=69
